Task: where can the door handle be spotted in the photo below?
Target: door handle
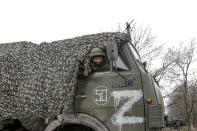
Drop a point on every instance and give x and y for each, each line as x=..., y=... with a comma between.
x=126, y=83
x=78, y=97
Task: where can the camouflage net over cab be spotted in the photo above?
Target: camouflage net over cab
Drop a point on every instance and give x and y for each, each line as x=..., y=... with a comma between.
x=38, y=81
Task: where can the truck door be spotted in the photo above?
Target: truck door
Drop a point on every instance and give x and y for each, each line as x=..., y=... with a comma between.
x=115, y=98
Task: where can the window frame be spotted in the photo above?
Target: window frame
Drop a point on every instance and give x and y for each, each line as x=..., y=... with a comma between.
x=123, y=59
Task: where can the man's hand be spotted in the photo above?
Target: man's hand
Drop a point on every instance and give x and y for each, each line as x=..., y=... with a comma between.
x=86, y=72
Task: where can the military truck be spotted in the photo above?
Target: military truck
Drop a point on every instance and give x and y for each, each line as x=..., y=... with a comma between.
x=123, y=98
x=127, y=100
x=173, y=122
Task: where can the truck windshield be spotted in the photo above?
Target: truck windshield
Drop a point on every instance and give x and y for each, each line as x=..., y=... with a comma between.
x=137, y=57
x=134, y=52
x=121, y=63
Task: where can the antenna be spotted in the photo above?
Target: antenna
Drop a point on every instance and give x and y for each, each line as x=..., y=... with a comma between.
x=128, y=28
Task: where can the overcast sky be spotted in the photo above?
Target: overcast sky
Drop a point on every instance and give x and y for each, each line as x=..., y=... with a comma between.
x=171, y=21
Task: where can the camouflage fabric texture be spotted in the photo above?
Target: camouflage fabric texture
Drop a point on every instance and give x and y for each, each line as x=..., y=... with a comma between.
x=39, y=80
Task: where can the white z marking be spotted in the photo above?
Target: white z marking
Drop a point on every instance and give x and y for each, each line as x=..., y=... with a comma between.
x=133, y=96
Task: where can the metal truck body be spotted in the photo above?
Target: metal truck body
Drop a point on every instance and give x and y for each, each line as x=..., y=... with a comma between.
x=104, y=102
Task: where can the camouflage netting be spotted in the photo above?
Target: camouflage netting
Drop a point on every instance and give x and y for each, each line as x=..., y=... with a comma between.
x=40, y=80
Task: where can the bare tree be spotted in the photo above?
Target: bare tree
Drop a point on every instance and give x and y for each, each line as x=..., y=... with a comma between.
x=180, y=75
x=176, y=105
x=143, y=40
x=149, y=51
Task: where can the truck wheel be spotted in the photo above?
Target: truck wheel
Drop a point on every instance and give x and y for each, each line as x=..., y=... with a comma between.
x=11, y=125
x=36, y=124
x=76, y=122
x=73, y=127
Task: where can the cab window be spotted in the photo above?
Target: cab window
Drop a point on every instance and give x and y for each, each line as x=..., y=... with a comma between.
x=122, y=63
x=134, y=52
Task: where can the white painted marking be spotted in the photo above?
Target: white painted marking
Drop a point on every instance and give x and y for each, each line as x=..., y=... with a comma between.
x=98, y=94
x=101, y=95
x=133, y=96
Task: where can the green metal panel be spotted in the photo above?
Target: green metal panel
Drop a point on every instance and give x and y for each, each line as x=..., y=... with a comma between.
x=155, y=116
x=108, y=110
x=116, y=106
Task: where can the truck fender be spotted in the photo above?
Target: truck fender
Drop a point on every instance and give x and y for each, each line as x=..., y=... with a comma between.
x=77, y=118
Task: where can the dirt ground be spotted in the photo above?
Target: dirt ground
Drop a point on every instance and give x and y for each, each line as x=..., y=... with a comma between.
x=180, y=129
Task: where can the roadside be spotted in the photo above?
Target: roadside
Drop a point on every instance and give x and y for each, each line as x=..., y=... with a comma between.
x=184, y=128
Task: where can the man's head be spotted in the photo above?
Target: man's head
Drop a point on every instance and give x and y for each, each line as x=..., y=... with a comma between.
x=98, y=60
x=97, y=56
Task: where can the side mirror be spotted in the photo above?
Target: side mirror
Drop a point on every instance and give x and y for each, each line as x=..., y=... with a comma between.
x=144, y=64
x=112, y=50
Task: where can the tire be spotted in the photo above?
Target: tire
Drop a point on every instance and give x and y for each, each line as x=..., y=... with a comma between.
x=11, y=125
x=34, y=124
x=73, y=127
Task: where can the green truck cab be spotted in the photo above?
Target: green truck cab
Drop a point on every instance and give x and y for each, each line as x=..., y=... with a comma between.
x=126, y=99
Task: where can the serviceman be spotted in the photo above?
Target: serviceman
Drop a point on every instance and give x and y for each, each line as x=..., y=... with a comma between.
x=96, y=62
